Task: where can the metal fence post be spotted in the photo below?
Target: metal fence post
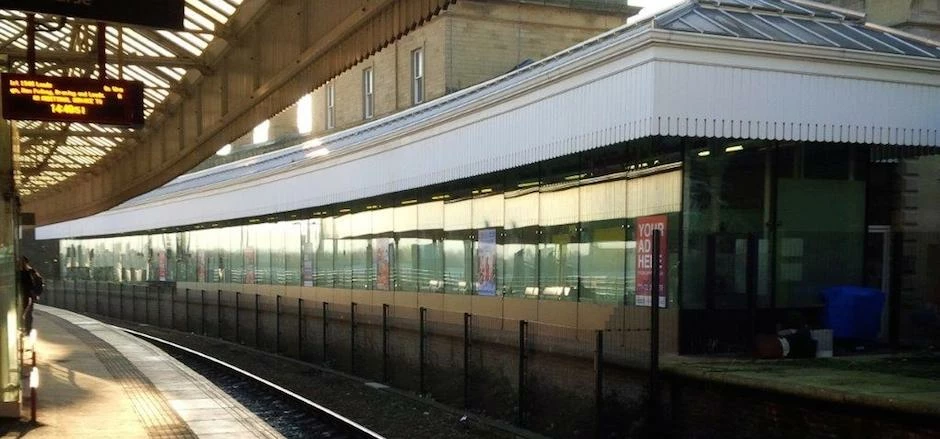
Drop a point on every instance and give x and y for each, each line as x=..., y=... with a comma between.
x=599, y=381
x=385, y=342
x=257, y=320
x=523, y=332
x=300, y=329
x=654, y=334
x=277, y=324
x=202, y=324
x=237, y=318
x=133, y=302
x=422, y=352
x=467, y=321
x=325, y=315
x=352, y=338
x=218, y=313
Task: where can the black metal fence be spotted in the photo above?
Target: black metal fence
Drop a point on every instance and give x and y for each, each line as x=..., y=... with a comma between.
x=561, y=381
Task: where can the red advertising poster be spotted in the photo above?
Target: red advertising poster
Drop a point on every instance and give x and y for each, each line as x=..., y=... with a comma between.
x=380, y=260
x=250, y=265
x=161, y=267
x=644, y=259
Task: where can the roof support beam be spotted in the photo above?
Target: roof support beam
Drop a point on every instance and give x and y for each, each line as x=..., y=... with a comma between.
x=91, y=57
x=237, y=92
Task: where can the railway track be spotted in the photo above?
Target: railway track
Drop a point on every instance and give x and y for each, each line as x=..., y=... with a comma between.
x=292, y=415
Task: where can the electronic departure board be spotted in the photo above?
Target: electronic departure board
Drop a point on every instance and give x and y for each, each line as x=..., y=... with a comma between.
x=57, y=99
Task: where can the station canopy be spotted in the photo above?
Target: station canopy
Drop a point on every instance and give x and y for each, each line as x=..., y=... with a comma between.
x=50, y=153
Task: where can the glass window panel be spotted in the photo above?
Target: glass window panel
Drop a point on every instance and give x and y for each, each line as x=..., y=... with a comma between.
x=342, y=260
x=361, y=250
x=325, y=270
x=407, y=247
x=458, y=246
x=431, y=232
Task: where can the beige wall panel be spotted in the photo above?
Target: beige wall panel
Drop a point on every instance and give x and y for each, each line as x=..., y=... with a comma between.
x=520, y=309
x=457, y=303
x=405, y=299
x=433, y=301
x=363, y=297
x=490, y=306
x=596, y=316
x=558, y=313
x=293, y=291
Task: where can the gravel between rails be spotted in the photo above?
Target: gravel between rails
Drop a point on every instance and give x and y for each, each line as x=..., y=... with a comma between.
x=390, y=413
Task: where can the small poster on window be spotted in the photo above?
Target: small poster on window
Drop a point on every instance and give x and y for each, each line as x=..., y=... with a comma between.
x=486, y=262
x=644, y=259
x=381, y=261
x=250, y=262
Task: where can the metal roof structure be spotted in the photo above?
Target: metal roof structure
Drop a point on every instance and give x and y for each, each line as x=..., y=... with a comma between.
x=793, y=21
x=50, y=153
x=709, y=17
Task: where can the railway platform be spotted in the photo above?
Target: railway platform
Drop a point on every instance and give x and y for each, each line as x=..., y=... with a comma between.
x=97, y=381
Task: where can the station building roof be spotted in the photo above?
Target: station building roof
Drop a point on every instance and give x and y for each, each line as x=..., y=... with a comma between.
x=51, y=153
x=774, y=69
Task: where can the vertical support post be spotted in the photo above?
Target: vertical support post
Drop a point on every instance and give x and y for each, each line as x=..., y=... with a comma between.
x=202, y=324
x=422, y=352
x=896, y=279
x=218, y=313
x=102, y=51
x=352, y=338
x=751, y=285
x=599, y=382
x=523, y=336
x=121, y=301
x=300, y=329
x=325, y=324
x=257, y=320
x=385, y=342
x=277, y=324
x=31, y=43
x=711, y=248
x=654, y=334
x=108, y=297
x=237, y=319
x=97, y=299
x=467, y=321
x=133, y=302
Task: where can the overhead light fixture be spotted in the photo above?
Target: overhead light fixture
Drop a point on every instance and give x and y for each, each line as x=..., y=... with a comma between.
x=344, y=210
x=528, y=184
x=409, y=202
x=440, y=197
x=575, y=177
x=705, y=153
x=734, y=148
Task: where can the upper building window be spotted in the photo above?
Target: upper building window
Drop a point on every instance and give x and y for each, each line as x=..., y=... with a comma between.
x=330, y=105
x=417, y=76
x=368, y=94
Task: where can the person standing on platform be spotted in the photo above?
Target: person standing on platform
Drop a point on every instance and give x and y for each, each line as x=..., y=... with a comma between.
x=30, y=288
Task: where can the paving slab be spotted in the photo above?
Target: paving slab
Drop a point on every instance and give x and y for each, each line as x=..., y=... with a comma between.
x=97, y=381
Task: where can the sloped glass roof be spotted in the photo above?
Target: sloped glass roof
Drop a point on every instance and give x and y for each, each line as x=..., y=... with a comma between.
x=792, y=22
x=52, y=152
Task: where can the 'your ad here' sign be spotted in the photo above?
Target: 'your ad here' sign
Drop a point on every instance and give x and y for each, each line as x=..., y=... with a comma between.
x=644, y=259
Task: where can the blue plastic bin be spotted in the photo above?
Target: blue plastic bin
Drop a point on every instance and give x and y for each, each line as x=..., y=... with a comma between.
x=854, y=312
